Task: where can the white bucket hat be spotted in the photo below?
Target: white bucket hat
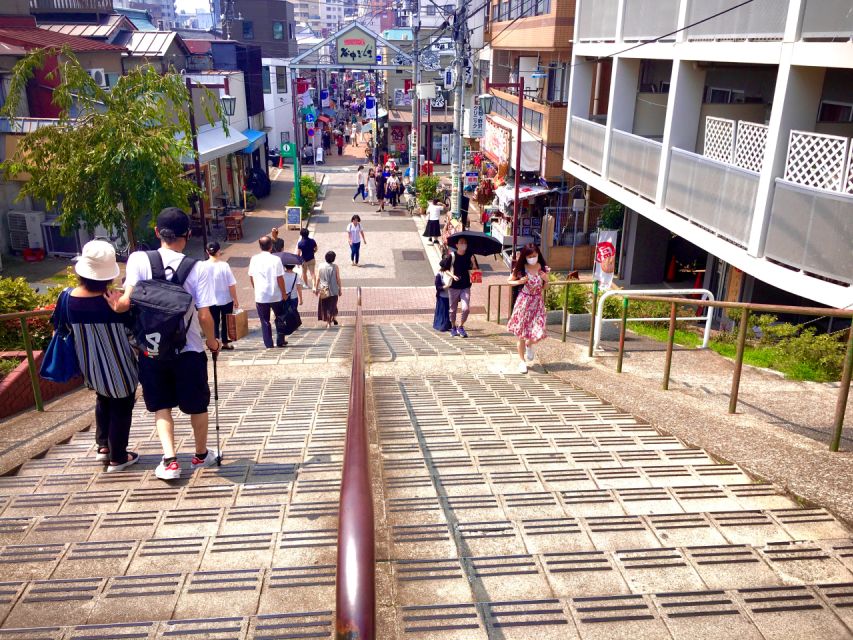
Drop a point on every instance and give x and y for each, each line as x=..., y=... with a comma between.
x=97, y=261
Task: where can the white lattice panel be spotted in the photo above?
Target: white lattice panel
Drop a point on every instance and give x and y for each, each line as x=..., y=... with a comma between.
x=750, y=145
x=719, y=139
x=848, y=188
x=816, y=160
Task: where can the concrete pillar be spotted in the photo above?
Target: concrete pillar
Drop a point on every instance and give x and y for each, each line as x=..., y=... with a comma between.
x=623, y=99
x=795, y=105
x=683, y=110
x=580, y=96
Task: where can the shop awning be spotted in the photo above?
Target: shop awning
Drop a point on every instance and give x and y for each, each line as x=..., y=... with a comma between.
x=213, y=144
x=255, y=138
x=506, y=193
x=323, y=119
x=531, y=146
x=397, y=116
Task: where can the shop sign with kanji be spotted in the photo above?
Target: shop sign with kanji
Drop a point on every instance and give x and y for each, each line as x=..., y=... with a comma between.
x=356, y=48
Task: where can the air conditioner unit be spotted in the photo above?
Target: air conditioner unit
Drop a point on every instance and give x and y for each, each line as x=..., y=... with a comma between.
x=98, y=76
x=25, y=229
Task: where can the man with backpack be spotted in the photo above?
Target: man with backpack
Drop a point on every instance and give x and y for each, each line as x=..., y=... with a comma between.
x=171, y=295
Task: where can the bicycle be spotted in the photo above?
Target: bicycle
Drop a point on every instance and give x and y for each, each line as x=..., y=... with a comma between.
x=122, y=247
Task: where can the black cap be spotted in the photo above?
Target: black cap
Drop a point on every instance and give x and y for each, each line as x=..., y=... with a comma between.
x=173, y=221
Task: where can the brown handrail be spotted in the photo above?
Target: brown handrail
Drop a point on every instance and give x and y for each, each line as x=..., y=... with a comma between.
x=22, y=317
x=747, y=308
x=355, y=590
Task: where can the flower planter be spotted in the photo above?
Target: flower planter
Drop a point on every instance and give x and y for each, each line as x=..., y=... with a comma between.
x=580, y=322
x=16, y=389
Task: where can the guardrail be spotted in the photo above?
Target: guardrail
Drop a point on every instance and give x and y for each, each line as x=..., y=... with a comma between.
x=23, y=316
x=355, y=589
x=627, y=293
x=746, y=309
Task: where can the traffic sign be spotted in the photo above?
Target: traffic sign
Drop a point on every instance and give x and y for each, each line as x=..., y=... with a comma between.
x=310, y=132
x=309, y=117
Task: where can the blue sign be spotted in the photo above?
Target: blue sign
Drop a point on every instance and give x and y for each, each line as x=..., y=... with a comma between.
x=378, y=58
x=309, y=117
x=294, y=216
x=369, y=103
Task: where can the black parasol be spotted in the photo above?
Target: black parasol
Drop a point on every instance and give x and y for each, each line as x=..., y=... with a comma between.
x=288, y=258
x=479, y=244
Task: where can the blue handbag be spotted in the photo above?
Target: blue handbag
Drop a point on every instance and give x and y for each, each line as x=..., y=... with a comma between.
x=59, y=363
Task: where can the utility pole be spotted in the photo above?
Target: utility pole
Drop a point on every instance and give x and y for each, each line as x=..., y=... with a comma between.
x=460, y=32
x=414, y=147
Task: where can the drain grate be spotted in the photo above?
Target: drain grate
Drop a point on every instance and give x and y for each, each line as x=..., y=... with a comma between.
x=414, y=256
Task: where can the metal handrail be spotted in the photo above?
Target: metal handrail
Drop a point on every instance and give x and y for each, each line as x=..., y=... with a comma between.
x=355, y=589
x=22, y=317
x=746, y=309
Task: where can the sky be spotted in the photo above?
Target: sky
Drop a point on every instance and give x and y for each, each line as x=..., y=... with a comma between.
x=190, y=5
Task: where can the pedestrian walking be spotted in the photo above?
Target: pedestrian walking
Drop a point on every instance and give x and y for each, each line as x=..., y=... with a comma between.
x=173, y=365
x=460, y=290
x=380, y=190
x=354, y=133
x=339, y=141
x=293, y=295
x=392, y=189
x=266, y=274
x=327, y=141
x=433, y=225
x=355, y=236
x=306, y=249
x=360, y=181
x=224, y=291
x=528, y=319
x=104, y=354
x=371, y=186
x=347, y=137
x=443, y=280
x=328, y=288
x=464, y=205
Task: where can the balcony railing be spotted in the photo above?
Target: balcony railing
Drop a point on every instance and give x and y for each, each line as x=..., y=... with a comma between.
x=828, y=19
x=758, y=20
x=634, y=163
x=820, y=161
x=650, y=19
x=812, y=230
x=586, y=143
x=104, y=6
x=597, y=21
x=712, y=194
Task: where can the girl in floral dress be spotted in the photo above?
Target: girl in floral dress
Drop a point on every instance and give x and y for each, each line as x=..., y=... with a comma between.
x=528, y=320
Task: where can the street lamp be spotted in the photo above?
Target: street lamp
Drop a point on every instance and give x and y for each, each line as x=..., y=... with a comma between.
x=229, y=104
x=486, y=102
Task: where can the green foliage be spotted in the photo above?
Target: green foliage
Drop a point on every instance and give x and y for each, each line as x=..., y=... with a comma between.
x=427, y=189
x=115, y=157
x=612, y=215
x=820, y=355
x=8, y=365
x=17, y=295
x=310, y=192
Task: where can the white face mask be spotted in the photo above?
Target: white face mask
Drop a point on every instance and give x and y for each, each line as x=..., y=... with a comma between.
x=532, y=260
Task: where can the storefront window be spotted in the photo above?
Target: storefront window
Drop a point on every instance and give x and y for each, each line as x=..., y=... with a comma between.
x=265, y=78
x=278, y=30
x=281, y=79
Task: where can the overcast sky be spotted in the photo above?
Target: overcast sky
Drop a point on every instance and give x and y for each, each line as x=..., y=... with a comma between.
x=189, y=5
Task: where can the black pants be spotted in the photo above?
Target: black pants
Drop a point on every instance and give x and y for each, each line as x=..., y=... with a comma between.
x=392, y=198
x=112, y=425
x=220, y=322
x=264, y=309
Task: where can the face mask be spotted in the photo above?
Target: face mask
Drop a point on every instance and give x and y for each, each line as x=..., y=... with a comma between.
x=532, y=260
x=462, y=248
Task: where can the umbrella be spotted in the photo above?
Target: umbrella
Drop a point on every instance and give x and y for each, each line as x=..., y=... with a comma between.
x=479, y=244
x=288, y=258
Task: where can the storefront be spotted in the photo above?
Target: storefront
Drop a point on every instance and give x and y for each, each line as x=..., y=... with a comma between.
x=221, y=166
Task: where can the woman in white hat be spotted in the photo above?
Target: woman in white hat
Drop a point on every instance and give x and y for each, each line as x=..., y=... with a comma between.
x=104, y=353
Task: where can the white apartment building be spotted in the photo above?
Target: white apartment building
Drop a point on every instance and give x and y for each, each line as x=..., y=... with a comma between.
x=729, y=141
x=278, y=100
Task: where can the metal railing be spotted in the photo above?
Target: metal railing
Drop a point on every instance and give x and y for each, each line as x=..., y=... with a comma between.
x=22, y=317
x=71, y=5
x=355, y=589
x=746, y=309
x=669, y=293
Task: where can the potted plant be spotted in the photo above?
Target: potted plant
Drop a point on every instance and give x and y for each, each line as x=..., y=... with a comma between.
x=578, y=308
x=427, y=190
x=251, y=201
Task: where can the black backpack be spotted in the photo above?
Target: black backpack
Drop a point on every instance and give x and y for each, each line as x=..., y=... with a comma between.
x=162, y=310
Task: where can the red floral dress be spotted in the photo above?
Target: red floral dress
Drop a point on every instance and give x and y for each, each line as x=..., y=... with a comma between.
x=528, y=318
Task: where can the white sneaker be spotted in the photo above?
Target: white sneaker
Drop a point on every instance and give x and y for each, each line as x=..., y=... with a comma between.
x=171, y=471
x=522, y=367
x=209, y=459
x=528, y=353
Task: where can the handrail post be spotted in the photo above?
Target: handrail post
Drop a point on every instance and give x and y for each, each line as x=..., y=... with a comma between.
x=592, y=316
x=489, y=303
x=670, y=340
x=31, y=365
x=500, y=299
x=565, y=309
x=622, y=334
x=741, y=345
x=843, y=393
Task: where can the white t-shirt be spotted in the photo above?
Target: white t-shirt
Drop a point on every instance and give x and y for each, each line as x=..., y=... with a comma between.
x=361, y=177
x=198, y=284
x=354, y=232
x=292, y=282
x=434, y=211
x=264, y=269
x=221, y=278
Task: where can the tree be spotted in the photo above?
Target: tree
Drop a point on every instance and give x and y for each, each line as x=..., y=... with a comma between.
x=116, y=156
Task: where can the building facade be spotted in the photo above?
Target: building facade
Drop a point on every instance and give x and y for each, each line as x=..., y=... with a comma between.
x=728, y=140
x=268, y=24
x=278, y=100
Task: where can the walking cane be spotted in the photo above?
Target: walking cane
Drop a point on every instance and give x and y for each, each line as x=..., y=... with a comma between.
x=216, y=407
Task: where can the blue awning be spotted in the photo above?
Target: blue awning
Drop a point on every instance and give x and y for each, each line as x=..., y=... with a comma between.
x=255, y=138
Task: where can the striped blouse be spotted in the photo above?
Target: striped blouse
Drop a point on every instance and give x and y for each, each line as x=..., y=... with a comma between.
x=106, y=358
